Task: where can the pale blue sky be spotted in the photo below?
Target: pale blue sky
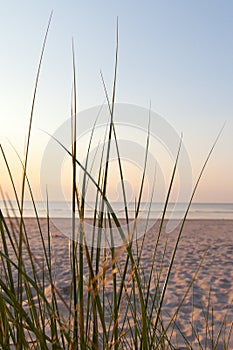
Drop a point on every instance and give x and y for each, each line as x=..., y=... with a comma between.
x=176, y=54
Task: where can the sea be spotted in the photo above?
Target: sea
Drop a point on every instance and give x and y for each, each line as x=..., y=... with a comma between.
x=198, y=211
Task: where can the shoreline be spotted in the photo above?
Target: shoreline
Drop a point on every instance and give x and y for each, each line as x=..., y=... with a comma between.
x=121, y=219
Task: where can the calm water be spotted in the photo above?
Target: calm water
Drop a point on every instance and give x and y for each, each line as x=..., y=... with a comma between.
x=197, y=210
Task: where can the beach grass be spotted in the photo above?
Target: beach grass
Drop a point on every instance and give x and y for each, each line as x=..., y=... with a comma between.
x=110, y=304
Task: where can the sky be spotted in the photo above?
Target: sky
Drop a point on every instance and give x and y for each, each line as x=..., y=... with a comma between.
x=175, y=56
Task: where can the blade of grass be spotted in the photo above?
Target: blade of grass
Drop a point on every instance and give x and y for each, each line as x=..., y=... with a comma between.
x=20, y=290
x=180, y=233
x=74, y=276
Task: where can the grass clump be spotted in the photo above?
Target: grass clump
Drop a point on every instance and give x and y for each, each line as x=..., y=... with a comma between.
x=112, y=301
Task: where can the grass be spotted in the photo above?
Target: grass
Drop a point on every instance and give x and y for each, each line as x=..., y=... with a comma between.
x=110, y=303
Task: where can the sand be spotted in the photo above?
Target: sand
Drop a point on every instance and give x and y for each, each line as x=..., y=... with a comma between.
x=212, y=288
x=214, y=283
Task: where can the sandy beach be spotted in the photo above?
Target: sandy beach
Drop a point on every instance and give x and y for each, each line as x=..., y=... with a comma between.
x=214, y=283
x=212, y=289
